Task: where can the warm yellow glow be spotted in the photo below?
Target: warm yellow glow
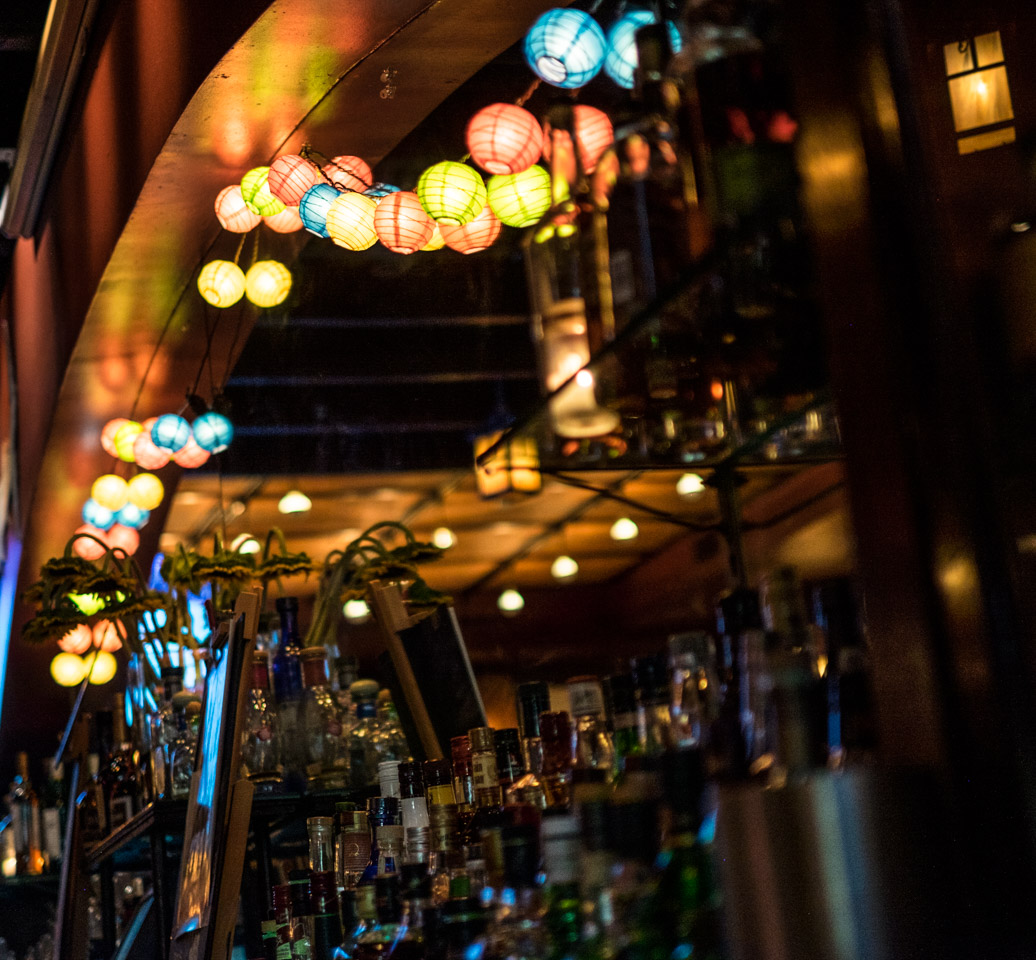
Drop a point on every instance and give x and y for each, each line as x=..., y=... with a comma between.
x=110, y=491
x=514, y=467
x=245, y=543
x=689, y=484
x=78, y=640
x=510, y=602
x=443, y=538
x=350, y=221
x=67, y=669
x=294, y=501
x=624, y=529
x=88, y=603
x=145, y=490
x=356, y=611
x=584, y=379
x=267, y=283
x=563, y=567
x=124, y=439
x=104, y=667
x=980, y=99
x=221, y=283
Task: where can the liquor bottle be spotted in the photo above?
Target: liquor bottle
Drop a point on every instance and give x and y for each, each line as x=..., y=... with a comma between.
x=487, y=821
x=163, y=732
x=557, y=737
x=93, y=812
x=388, y=778
x=321, y=844
x=184, y=749
x=320, y=725
x=301, y=914
x=463, y=922
x=362, y=740
x=651, y=680
x=390, y=848
x=594, y=747
x=392, y=743
x=260, y=738
x=353, y=925
x=287, y=666
x=388, y=936
x=438, y=779
x=119, y=775
x=532, y=699
x=24, y=808
x=413, y=804
x=622, y=706
x=799, y=695
x=268, y=931
x=851, y=720
x=52, y=817
x=693, y=699
x=381, y=812
x=516, y=926
x=463, y=782
x=327, y=920
x=570, y=290
x=509, y=766
x=446, y=859
x=352, y=845
x=282, y=920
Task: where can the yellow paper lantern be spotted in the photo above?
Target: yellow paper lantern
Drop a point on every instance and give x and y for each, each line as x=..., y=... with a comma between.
x=125, y=437
x=108, y=435
x=520, y=199
x=452, y=193
x=103, y=668
x=67, y=669
x=436, y=243
x=350, y=221
x=110, y=491
x=267, y=283
x=145, y=490
x=221, y=283
x=78, y=640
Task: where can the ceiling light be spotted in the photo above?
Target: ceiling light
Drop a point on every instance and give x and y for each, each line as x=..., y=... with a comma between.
x=245, y=543
x=443, y=538
x=294, y=501
x=624, y=529
x=689, y=484
x=510, y=602
x=563, y=567
x=356, y=611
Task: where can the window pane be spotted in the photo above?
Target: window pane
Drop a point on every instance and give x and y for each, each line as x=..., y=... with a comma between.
x=979, y=99
x=988, y=49
x=958, y=57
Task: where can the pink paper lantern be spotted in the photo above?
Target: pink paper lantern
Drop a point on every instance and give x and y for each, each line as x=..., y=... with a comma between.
x=191, y=455
x=90, y=549
x=594, y=135
x=290, y=177
x=231, y=211
x=108, y=435
x=78, y=640
x=475, y=235
x=401, y=223
x=349, y=173
x=147, y=455
x=123, y=538
x=287, y=221
x=504, y=138
x=107, y=635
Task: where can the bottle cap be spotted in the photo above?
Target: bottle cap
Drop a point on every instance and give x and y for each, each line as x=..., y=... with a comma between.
x=363, y=689
x=388, y=778
x=383, y=807
x=321, y=824
x=481, y=740
x=585, y=698
x=411, y=771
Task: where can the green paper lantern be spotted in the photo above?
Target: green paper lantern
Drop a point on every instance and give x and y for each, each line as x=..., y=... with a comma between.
x=520, y=199
x=255, y=191
x=451, y=193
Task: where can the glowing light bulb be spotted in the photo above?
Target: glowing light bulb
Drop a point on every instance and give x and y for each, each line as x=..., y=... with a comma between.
x=443, y=538
x=356, y=611
x=294, y=501
x=563, y=567
x=689, y=484
x=585, y=378
x=245, y=543
x=624, y=529
x=510, y=602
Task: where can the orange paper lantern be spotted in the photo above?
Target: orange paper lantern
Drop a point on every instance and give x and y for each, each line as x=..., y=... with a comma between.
x=287, y=221
x=78, y=640
x=594, y=134
x=476, y=235
x=290, y=177
x=147, y=455
x=504, y=138
x=191, y=455
x=231, y=211
x=349, y=173
x=90, y=549
x=108, y=435
x=107, y=635
x=401, y=223
x=123, y=538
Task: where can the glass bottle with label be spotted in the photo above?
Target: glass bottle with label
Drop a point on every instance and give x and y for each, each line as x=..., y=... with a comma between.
x=301, y=914
x=557, y=735
x=532, y=699
x=463, y=782
x=438, y=779
x=352, y=845
x=651, y=679
x=413, y=803
x=327, y=921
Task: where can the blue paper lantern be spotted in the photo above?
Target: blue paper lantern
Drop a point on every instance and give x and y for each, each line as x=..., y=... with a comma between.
x=314, y=205
x=98, y=516
x=132, y=516
x=170, y=432
x=213, y=431
x=379, y=190
x=565, y=48
x=620, y=62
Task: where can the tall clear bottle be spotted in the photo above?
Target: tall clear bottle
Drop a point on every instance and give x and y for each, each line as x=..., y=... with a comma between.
x=363, y=737
x=287, y=688
x=321, y=725
x=24, y=808
x=594, y=747
x=260, y=743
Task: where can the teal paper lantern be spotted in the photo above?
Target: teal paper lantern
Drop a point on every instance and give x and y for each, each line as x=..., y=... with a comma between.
x=620, y=62
x=170, y=432
x=132, y=516
x=314, y=205
x=451, y=193
x=213, y=431
x=379, y=190
x=98, y=516
x=565, y=48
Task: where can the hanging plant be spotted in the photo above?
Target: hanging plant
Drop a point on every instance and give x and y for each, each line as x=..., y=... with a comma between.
x=283, y=563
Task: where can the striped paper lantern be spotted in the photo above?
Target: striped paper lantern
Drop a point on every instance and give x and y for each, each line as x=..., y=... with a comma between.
x=349, y=173
x=191, y=456
x=221, y=283
x=314, y=205
x=474, y=236
x=350, y=221
x=594, y=134
x=401, y=223
x=255, y=188
x=287, y=221
x=504, y=138
x=451, y=193
x=290, y=176
x=520, y=199
x=565, y=48
x=232, y=212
